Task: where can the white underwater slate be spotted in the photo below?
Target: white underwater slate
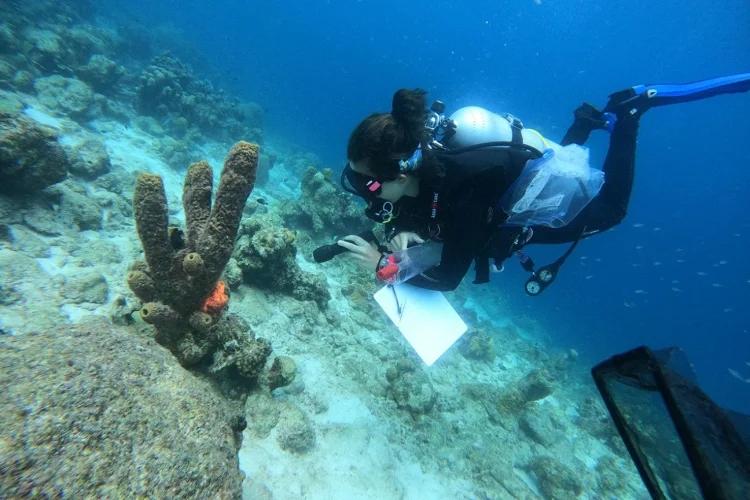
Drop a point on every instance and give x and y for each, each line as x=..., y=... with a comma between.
x=426, y=320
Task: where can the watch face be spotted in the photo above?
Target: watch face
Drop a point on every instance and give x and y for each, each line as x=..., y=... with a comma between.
x=545, y=275
x=533, y=287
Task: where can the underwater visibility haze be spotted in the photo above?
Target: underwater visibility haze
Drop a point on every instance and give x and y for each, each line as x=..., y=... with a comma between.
x=168, y=168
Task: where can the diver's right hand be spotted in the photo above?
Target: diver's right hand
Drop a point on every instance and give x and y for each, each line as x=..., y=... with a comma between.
x=361, y=250
x=402, y=240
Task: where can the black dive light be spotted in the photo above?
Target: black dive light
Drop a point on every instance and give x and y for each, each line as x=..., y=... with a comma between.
x=327, y=252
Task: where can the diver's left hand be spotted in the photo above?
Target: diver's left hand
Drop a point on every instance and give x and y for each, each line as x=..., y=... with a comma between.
x=361, y=250
x=402, y=240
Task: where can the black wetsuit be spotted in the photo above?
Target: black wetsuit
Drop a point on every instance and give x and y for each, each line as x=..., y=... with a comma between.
x=469, y=228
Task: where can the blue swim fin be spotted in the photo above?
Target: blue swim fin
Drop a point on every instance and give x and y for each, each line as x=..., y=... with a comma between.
x=639, y=98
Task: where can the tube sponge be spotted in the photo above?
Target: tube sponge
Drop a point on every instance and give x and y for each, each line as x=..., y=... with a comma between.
x=196, y=199
x=151, y=219
x=158, y=314
x=192, y=264
x=179, y=284
x=142, y=285
x=237, y=180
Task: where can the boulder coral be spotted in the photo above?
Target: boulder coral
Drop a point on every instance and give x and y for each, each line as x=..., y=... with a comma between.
x=267, y=253
x=478, y=345
x=30, y=156
x=410, y=388
x=324, y=208
x=95, y=410
x=179, y=280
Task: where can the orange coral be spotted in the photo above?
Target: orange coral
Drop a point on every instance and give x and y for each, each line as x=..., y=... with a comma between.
x=217, y=300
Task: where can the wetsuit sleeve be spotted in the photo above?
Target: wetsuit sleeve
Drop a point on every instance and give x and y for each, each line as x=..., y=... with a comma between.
x=465, y=234
x=448, y=274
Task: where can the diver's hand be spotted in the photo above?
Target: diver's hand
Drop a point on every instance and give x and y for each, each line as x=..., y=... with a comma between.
x=361, y=250
x=401, y=241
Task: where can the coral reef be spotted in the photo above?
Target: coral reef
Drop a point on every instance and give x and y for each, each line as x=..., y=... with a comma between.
x=281, y=373
x=410, y=388
x=477, y=345
x=262, y=413
x=291, y=427
x=74, y=206
x=90, y=159
x=536, y=385
x=541, y=426
x=555, y=480
x=266, y=255
x=169, y=91
x=178, y=277
x=87, y=286
x=324, y=208
x=503, y=406
x=295, y=432
x=101, y=73
x=30, y=156
x=69, y=95
x=98, y=411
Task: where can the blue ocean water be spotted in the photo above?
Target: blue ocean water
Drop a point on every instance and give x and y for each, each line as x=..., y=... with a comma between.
x=297, y=384
x=674, y=273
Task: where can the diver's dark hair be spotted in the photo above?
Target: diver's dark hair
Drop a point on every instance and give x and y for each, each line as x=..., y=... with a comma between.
x=384, y=138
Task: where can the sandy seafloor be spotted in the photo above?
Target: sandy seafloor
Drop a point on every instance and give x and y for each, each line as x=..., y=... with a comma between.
x=365, y=446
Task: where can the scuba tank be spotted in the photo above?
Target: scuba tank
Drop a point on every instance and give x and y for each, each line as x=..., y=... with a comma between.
x=475, y=125
x=555, y=184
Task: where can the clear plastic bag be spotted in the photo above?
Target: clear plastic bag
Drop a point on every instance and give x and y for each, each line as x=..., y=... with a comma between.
x=413, y=260
x=552, y=190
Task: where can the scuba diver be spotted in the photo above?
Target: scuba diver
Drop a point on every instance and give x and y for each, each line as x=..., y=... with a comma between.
x=478, y=186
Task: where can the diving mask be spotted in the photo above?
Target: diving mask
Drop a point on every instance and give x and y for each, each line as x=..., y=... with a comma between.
x=368, y=188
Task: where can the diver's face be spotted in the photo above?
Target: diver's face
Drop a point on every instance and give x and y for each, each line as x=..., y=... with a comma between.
x=391, y=190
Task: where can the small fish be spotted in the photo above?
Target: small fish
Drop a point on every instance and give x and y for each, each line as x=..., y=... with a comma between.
x=589, y=277
x=723, y=262
x=584, y=257
x=680, y=261
x=675, y=282
x=657, y=263
x=640, y=292
x=657, y=229
x=679, y=249
x=717, y=285
x=639, y=247
x=737, y=375
x=702, y=273
x=727, y=309
x=737, y=235
x=675, y=289
x=638, y=224
x=262, y=201
x=628, y=304
x=598, y=259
